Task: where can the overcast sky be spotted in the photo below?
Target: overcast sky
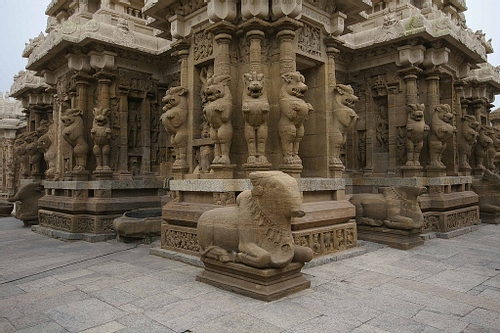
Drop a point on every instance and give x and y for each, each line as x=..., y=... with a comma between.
x=21, y=20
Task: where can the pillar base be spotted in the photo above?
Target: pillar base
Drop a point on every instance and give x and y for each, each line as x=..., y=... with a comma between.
x=412, y=171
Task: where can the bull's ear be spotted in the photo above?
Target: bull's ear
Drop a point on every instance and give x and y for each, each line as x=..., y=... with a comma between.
x=257, y=191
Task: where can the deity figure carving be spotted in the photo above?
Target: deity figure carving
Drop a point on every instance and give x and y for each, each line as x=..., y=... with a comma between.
x=294, y=112
x=257, y=230
x=46, y=144
x=392, y=207
x=174, y=119
x=383, y=128
x=134, y=125
x=101, y=133
x=466, y=141
x=484, y=142
x=255, y=112
x=217, y=111
x=35, y=155
x=441, y=130
x=344, y=118
x=73, y=135
x=416, y=130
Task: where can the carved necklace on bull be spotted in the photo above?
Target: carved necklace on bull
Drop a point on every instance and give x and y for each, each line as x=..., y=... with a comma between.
x=406, y=203
x=276, y=234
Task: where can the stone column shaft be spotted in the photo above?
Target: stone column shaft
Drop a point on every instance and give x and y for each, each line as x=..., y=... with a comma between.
x=123, y=164
x=432, y=92
x=222, y=63
x=255, y=37
x=288, y=62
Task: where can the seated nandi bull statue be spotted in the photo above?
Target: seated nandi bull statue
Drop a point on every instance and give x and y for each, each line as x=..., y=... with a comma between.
x=257, y=231
x=73, y=134
x=174, y=119
x=441, y=130
x=416, y=130
x=392, y=207
x=255, y=109
x=344, y=118
x=217, y=112
x=28, y=195
x=294, y=112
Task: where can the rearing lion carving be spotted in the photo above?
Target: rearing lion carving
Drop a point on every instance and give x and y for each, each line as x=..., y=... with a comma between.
x=73, y=134
x=257, y=231
x=416, y=129
x=344, y=118
x=467, y=140
x=441, y=130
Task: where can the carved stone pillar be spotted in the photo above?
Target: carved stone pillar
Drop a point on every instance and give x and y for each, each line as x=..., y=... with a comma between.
x=392, y=92
x=287, y=53
x=432, y=79
x=222, y=63
x=255, y=37
x=123, y=164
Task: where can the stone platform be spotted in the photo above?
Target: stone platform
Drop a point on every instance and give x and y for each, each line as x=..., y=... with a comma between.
x=326, y=228
x=264, y=284
x=89, y=207
x=399, y=239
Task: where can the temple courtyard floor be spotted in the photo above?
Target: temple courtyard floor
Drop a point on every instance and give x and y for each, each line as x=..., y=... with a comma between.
x=47, y=285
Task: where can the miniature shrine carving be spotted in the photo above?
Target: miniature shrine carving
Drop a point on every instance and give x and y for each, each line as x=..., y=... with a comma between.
x=294, y=112
x=416, y=130
x=73, y=134
x=101, y=133
x=174, y=119
x=218, y=111
x=344, y=118
x=392, y=207
x=257, y=231
x=441, y=130
x=255, y=112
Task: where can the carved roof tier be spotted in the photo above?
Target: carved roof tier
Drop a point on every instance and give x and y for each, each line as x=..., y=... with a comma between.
x=486, y=73
x=166, y=15
x=26, y=81
x=119, y=23
x=405, y=22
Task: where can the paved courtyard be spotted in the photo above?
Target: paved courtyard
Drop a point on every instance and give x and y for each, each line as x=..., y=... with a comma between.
x=51, y=286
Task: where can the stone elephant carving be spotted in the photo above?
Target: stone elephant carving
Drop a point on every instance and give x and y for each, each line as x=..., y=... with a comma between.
x=257, y=231
x=393, y=207
x=28, y=195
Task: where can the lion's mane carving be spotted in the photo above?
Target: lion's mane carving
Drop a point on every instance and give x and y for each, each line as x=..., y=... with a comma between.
x=470, y=126
x=344, y=118
x=217, y=112
x=416, y=130
x=393, y=207
x=441, y=130
x=174, y=119
x=255, y=109
x=294, y=112
x=73, y=134
x=257, y=231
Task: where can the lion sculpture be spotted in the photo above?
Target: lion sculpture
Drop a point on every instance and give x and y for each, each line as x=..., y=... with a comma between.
x=217, y=111
x=392, y=207
x=484, y=142
x=73, y=134
x=101, y=133
x=255, y=109
x=470, y=126
x=34, y=153
x=441, y=130
x=46, y=145
x=344, y=118
x=174, y=119
x=257, y=230
x=416, y=130
x=294, y=112
x=22, y=155
x=491, y=153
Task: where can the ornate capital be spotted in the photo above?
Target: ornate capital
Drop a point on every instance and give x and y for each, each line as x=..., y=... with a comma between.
x=102, y=60
x=410, y=56
x=78, y=62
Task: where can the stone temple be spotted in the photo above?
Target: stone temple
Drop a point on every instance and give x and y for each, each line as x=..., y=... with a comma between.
x=381, y=110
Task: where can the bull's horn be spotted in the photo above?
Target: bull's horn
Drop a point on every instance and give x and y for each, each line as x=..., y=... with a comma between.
x=298, y=213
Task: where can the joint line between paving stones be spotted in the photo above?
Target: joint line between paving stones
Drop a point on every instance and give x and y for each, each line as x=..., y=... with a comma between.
x=69, y=264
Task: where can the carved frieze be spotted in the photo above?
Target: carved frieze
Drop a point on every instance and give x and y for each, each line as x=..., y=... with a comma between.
x=309, y=40
x=328, y=240
x=203, y=45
